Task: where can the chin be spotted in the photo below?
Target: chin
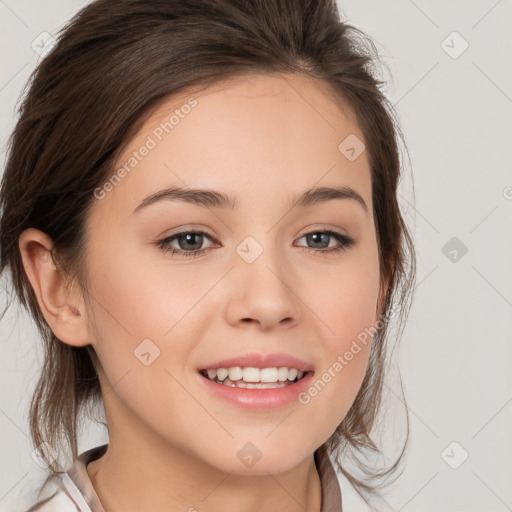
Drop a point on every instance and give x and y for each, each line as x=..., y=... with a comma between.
x=249, y=460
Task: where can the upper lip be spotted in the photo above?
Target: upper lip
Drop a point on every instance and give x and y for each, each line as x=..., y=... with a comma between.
x=256, y=360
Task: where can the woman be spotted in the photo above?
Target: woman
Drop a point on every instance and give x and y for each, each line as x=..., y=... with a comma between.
x=200, y=211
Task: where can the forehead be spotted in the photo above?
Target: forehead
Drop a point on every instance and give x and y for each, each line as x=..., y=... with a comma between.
x=258, y=135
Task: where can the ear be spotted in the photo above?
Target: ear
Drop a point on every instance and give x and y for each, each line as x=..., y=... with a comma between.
x=64, y=313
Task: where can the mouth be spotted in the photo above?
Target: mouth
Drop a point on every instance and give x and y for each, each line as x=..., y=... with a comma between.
x=255, y=378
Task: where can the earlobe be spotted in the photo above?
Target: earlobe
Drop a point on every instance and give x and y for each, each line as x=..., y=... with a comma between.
x=64, y=313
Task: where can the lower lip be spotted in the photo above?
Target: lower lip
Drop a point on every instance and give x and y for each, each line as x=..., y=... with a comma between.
x=259, y=399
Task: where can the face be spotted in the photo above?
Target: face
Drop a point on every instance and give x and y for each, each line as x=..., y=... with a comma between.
x=178, y=286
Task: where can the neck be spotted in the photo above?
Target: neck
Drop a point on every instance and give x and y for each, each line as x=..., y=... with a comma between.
x=170, y=479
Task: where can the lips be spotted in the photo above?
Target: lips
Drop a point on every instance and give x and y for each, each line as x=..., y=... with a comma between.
x=256, y=360
x=279, y=396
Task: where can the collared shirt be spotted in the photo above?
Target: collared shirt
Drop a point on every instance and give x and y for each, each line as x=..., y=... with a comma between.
x=75, y=492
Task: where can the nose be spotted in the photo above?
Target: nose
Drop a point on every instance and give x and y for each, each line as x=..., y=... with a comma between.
x=262, y=294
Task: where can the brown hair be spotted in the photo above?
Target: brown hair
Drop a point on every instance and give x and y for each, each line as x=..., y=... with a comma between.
x=112, y=65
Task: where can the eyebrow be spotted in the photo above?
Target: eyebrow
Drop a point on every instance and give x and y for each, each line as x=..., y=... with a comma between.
x=216, y=199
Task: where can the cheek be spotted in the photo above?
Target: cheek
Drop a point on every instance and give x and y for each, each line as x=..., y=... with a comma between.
x=347, y=303
x=143, y=340
x=348, y=313
x=138, y=318
x=144, y=299
x=148, y=315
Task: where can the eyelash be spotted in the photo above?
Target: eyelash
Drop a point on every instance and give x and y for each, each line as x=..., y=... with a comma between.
x=346, y=242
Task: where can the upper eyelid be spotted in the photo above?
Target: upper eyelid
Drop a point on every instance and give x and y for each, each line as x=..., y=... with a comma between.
x=307, y=231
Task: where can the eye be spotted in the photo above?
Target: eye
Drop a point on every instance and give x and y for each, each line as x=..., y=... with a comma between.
x=189, y=244
x=323, y=238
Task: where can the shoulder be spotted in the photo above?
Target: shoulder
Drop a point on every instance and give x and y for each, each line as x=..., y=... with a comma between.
x=59, y=501
x=73, y=491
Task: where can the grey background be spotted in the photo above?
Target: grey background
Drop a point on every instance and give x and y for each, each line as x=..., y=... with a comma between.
x=455, y=356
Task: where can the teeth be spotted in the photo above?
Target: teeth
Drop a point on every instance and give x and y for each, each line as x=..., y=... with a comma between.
x=235, y=373
x=272, y=374
x=222, y=373
x=252, y=377
x=253, y=385
x=282, y=374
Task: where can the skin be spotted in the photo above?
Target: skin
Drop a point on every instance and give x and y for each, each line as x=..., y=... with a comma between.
x=261, y=139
